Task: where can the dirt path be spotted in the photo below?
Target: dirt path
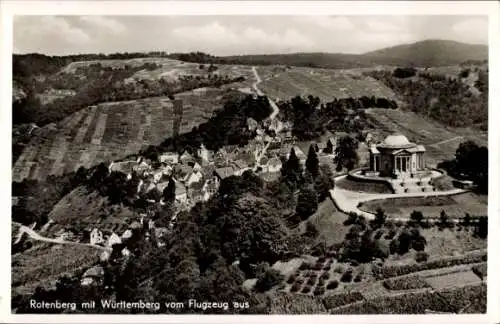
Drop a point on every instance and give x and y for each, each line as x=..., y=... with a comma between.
x=271, y=117
x=37, y=237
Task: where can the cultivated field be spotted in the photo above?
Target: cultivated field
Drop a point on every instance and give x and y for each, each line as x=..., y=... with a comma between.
x=454, y=206
x=324, y=83
x=111, y=131
x=440, y=142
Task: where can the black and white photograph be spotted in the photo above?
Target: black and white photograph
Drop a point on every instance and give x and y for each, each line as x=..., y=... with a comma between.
x=327, y=164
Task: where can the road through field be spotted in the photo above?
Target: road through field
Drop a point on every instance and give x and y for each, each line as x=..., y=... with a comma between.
x=37, y=237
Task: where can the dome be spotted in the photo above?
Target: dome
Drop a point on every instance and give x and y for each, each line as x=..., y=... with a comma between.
x=396, y=140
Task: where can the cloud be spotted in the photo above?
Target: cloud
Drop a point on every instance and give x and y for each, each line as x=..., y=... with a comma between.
x=327, y=22
x=379, y=25
x=472, y=30
x=213, y=32
x=105, y=23
x=216, y=37
x=50, y=29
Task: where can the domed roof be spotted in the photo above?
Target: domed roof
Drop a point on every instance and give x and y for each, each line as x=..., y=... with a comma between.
x=396, y=140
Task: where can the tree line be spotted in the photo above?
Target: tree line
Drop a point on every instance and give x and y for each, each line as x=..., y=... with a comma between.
x=311, y=118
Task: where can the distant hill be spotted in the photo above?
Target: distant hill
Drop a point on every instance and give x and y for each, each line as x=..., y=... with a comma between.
x=421, y=54
x=430, y=53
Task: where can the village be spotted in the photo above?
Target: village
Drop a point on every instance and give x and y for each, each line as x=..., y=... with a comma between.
x=197, y=177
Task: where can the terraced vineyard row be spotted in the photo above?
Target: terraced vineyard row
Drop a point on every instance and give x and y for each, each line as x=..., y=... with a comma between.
x=110, y=131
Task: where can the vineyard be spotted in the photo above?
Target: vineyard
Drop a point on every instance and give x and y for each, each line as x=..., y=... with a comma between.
x=440, y=142
x=32, y=267
x=323, y=83
x=111, y=131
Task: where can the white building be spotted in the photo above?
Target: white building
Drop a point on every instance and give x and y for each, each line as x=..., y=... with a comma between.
x=96, y=237
x=113, y=239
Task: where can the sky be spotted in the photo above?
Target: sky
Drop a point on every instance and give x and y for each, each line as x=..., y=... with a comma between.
x=230, y=35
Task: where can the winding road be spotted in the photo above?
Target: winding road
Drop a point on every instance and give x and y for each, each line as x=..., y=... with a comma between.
x=270, y=118
x=37, y=237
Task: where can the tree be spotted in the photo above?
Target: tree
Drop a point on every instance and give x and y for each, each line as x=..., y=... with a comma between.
x=312, y=162
x=311, y=230
x=443, y=219
x=380, y=218
x=169, y=191
x=417, y=217
x=481, y=229
x=329, y=148
x=346, y=153
x=307, y=202
x=292, y=170
x=324, y=182
x=268, y=279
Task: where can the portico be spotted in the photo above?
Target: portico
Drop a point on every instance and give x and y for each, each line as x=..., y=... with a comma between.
x=396, y=156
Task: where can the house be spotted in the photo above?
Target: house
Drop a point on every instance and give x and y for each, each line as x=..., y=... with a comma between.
x=185, y=157
x=180, y=192
x=96, y=237
x=113, y=239
x=181, y=171
x=125, y=252
x=126, y=235
x=240, y=166
x=205, y=155
x=210, y=187
x=135, y=225
x=274, y=165
x=169, y=158
x=320, y=147
x=222, y=173
x=193, y=177
x=93, y=275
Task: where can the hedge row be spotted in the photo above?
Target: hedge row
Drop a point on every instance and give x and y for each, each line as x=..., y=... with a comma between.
x=337, y=300
x=394, y=271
